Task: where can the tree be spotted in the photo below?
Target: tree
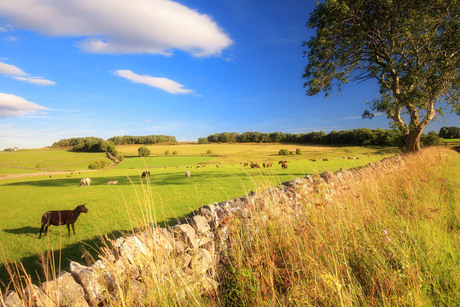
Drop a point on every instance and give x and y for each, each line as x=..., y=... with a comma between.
x=143, y=151
x=431, y=139
x=283, y=152
x=449, y=132
x=411, y=47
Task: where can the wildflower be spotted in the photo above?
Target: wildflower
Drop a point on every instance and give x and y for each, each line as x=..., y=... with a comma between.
x=388, y=240
x=385, y=232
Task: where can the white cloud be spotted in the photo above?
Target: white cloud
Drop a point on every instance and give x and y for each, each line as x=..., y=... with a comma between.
x=12, y=105
x=18, y=74
x=8, y=69
x=35, y=80
x=164, y=84
x=11, y=38
x=358, y=117
x=120, y=26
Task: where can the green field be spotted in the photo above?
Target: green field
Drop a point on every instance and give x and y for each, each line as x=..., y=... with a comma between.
x=167, y=197
x=46, y=160
x=169, y=161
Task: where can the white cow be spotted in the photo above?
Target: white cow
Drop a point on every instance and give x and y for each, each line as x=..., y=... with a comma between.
x=112, y=182
x=85, y=181
x=187, y=174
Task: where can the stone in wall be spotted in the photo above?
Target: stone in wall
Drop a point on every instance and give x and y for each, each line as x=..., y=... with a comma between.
x=11, y=299
x=65, y=291
x=95, y=280
x=34, y=296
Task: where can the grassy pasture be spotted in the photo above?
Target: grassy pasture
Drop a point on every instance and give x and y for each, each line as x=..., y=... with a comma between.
x=168, y=161
x=30, y=161
x=451, y=140
x=167, y=196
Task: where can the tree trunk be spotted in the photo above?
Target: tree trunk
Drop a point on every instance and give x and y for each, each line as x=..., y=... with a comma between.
x=412, y=140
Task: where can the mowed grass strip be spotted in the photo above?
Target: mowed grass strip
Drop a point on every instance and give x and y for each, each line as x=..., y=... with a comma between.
x=166, y=197
x=47, y=159
x=151, y=162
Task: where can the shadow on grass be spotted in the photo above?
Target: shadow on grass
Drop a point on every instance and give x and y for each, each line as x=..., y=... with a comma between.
x=84, y=252
x=23, y=230
x=162, y=179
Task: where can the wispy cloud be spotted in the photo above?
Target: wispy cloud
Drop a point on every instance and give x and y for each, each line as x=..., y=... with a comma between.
x=311, y=129
x=358, y=117
x=164, y=84
x=12, y=105
x=146, y=26
x=18, y=74
x=8, y=69
x=11, y=38
x=35, y=80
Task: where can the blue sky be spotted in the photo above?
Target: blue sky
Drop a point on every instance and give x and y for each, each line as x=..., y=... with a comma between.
x=186, y=68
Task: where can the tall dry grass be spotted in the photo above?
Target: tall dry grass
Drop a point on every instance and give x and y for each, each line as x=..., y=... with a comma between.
x=391, y=238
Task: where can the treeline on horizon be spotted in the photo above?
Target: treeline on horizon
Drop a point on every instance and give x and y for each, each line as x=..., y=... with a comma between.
x=86, y=144
x=357, y=137
x=146, y=139
x=95, y=144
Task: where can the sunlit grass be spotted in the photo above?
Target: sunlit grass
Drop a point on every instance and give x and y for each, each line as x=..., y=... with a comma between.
x=112, y=209
x=391, y=239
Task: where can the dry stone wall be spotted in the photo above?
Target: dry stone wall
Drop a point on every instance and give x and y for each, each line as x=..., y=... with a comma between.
x=189, y=251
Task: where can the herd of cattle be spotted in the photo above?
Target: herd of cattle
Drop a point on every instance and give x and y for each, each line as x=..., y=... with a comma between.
x=146, y=174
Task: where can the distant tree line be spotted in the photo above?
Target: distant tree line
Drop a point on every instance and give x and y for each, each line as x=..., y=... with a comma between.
x=357, y=137
x=87, y=144
x=363, y=136
x=95, y=144
x=449, y=132
x=146, y=139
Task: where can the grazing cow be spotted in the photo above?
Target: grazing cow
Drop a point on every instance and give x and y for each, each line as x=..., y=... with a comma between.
x=246, y=164
x=325, y=159
x=145, y=174
x=270, y=164
x=313, y=160
x=284, y=165
x=112, y=182
x=85, y=181
x=187, y=174
x=58, y=218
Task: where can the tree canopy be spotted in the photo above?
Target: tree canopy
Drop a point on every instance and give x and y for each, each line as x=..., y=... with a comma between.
x=143, y=151
x=411, y=47
x=363, y=136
